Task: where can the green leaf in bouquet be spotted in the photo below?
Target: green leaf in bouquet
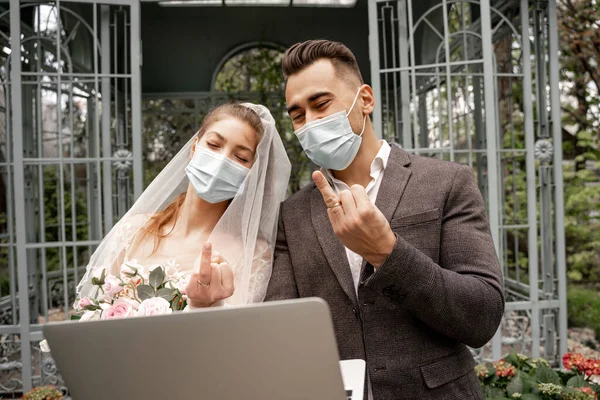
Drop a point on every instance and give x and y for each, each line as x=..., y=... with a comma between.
x=515, y=386
x=545, y=374
x=91, y=307
x=130, y=274
x=175, y=302
x=577, y=381
x=75, y=317
x=145, y=292
x=157, y=277
x=166, y=293
x=99, y=281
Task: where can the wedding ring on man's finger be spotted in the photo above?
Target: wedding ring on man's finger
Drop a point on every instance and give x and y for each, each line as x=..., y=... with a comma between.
x=337, y=204
x=203, y=284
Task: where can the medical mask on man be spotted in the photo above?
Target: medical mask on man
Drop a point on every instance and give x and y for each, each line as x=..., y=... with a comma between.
x=330, y=142
x=215, y=178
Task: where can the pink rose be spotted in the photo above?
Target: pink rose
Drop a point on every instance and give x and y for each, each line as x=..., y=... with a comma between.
x=154, y=306
x=121, y=308
x=82, y=303
x=112, y=286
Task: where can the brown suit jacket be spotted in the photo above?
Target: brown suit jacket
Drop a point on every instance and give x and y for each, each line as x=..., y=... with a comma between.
x=439, y=290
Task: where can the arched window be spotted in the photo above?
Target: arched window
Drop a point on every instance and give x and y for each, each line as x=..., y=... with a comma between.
x=250, y=68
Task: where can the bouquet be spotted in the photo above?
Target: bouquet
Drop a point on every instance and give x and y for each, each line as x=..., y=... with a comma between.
x=135, y=292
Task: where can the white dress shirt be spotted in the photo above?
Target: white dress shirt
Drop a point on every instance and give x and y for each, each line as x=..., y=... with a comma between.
x=354, y=260
x=377, y=168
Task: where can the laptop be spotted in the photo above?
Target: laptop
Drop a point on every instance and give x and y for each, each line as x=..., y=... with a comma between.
x=283, y=350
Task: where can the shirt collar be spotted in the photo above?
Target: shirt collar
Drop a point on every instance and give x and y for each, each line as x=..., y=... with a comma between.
x=377, y=166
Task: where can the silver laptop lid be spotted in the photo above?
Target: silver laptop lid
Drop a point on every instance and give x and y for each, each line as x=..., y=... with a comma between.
x=277, y=350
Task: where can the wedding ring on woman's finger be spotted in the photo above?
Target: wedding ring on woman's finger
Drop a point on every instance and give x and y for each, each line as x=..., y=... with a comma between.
x=203, y=284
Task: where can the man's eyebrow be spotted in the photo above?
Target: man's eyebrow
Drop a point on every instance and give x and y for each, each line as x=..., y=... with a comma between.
x=318, y=95
x=292, y=108
x=312, y=98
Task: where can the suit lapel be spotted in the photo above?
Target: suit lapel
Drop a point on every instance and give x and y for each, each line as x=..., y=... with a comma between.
x=334, y=250
x=395, y=179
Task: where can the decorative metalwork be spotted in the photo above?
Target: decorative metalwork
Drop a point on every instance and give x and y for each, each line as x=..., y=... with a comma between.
x=455, y=79
x=126, y=161
x=543, y=151
x=71, y=104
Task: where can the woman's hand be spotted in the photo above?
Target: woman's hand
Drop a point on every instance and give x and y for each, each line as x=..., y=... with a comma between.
x=212, y=282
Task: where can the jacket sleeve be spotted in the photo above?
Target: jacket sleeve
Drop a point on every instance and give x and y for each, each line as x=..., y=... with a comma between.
x=462, y=296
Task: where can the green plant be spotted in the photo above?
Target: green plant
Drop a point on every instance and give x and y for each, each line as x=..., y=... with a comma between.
x=583, y=308
x=520, y=377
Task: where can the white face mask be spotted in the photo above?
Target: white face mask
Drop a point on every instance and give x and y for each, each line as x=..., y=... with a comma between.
x=215, y=178
x=330, y=142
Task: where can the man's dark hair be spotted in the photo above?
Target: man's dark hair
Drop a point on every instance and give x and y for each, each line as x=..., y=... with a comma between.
x=302, y=55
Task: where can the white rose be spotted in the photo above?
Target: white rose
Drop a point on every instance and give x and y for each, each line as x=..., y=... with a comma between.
x=172, y=271
x=112, y=286
x=90, y=316
x=154, y=306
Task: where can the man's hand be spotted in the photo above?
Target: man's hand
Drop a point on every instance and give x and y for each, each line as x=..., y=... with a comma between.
x=213, y=282
x=357, y=222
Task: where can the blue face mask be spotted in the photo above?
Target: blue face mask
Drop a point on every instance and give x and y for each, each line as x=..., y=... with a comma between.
x=330, y=142
x=215, y=178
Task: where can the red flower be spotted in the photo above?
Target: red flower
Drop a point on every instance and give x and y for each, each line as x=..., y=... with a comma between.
x=589, y=390
x=573, y=361
x=576, y=362
x=504, y=369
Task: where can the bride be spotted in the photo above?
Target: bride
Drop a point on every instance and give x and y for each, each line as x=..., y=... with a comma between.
x=210, y=217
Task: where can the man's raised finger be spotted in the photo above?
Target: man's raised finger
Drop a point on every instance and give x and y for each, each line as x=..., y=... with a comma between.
x=329, y=196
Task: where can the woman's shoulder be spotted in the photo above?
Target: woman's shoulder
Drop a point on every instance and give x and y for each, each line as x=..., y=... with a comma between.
x=136, y=221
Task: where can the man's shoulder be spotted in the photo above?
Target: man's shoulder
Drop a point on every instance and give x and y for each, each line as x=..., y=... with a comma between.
x=300, y=198
x=427, y=165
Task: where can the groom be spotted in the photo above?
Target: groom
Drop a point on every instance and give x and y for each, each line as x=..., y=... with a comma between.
x=398, y=245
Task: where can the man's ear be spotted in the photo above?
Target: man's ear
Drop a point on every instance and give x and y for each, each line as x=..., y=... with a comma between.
x=368, y=99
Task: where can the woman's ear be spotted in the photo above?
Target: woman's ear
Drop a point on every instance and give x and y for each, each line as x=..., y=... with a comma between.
x=194, y=147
